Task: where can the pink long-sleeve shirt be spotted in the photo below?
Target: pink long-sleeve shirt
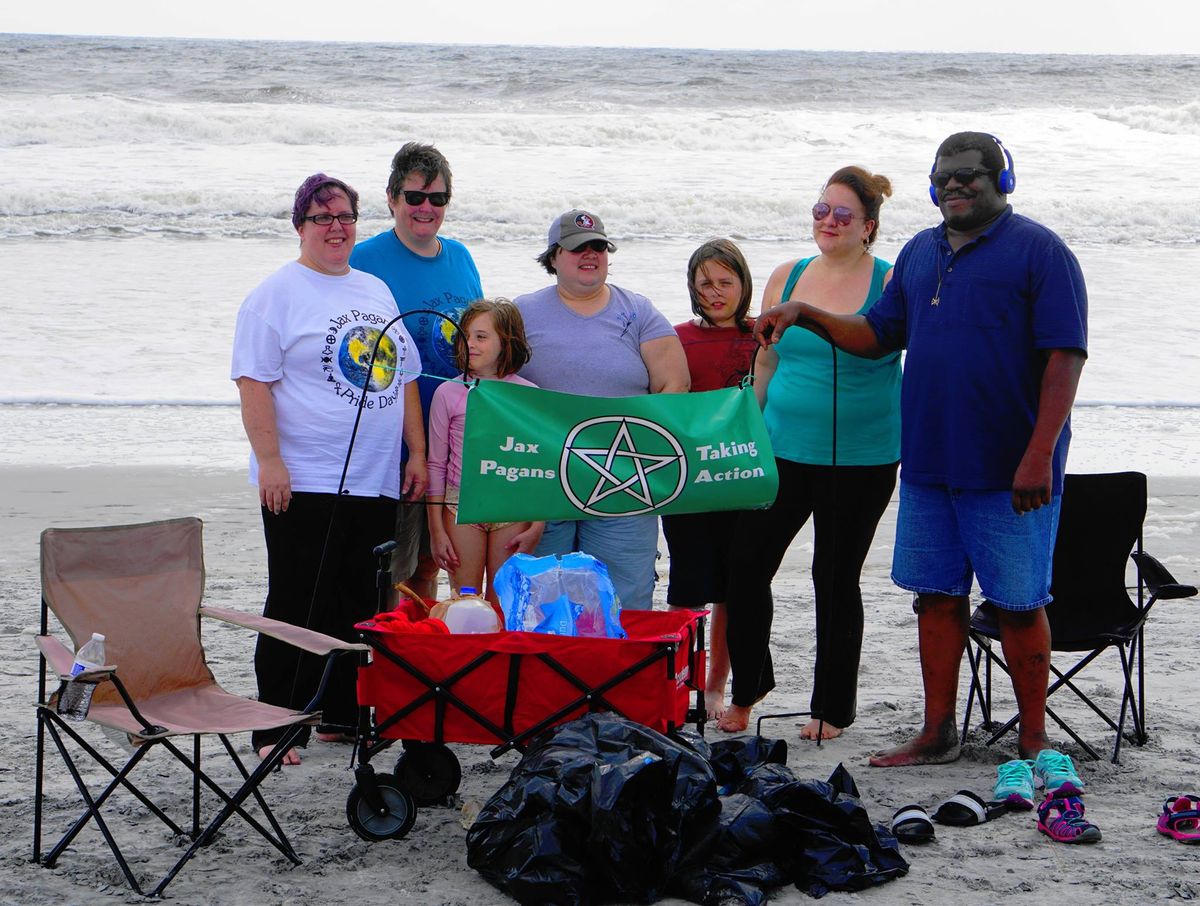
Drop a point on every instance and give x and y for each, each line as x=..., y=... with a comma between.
x=447, y=420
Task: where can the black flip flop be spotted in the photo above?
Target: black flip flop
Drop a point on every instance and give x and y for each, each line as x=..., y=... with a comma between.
x=911, y=824
x=964, y=809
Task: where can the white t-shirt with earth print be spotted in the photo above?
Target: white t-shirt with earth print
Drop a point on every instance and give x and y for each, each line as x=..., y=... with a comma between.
x=310, y=336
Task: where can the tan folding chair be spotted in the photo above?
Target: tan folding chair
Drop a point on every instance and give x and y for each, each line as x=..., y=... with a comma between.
x=141, y=586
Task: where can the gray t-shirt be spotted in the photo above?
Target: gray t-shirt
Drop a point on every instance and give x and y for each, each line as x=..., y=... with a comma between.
x=597, y=355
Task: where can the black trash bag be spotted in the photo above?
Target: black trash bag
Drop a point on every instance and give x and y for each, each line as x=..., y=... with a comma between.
x=741, y=867
x=599, y=809
x=688, y=737
x=652, y=819
x=829, y=840
x=602, y=809
x=525, y=839
x=733, y=759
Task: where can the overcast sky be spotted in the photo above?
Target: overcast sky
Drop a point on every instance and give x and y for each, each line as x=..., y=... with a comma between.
x=1021, y=26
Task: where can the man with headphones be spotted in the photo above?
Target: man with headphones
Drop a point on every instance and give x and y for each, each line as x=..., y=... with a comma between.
x=992, y=310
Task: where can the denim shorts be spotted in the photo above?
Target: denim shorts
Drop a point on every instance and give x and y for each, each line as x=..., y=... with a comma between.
x=627, y=545
x=945, y=537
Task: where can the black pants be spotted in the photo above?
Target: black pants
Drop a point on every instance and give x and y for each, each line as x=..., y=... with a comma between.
x=346, y=595
x=846, y=504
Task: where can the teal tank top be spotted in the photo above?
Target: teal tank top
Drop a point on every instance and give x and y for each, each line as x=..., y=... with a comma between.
x=799, y=412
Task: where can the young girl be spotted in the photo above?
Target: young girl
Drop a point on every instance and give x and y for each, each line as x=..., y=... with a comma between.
x=490, y=345
x=719, y=346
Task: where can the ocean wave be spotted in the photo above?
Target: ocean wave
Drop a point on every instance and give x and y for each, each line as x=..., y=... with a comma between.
x=108, y=402
x=197, y=403
x=1136, y=404
x=492, y=214
x=88, y=121
x=455, y=78
x=140, y=166
x=1183, y=119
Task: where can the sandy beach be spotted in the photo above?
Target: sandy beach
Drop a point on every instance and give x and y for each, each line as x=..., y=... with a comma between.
x=1003, y=861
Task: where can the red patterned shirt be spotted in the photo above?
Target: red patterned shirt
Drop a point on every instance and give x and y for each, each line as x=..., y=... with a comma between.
x=717, y=356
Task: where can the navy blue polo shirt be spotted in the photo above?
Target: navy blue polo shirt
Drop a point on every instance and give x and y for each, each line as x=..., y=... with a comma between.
x=976, y=324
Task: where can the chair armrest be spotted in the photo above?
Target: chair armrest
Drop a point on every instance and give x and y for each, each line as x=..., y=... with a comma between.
x=57, y=655
x=296, y=636
x=61, y=661
x=1159, y=580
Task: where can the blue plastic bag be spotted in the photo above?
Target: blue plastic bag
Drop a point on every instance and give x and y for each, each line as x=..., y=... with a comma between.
x=573, y=596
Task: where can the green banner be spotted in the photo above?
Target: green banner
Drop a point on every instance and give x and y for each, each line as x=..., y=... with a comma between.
x=532, y=454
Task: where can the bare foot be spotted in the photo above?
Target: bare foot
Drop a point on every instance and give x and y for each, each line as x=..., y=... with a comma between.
x=814, y=727
x=291, y=756
x=714, y=704
x=1029, y=748
x=927, y=748
x=735, y=720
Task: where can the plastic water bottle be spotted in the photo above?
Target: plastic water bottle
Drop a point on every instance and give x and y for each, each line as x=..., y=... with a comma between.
x=470, y=812
x=76, y=696
x=468, y=612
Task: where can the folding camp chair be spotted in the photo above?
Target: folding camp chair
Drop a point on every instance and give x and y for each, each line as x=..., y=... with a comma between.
x=1100, y=524
x=141, y=586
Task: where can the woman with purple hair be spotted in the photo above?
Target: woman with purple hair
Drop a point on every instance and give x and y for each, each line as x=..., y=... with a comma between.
x=312, y=352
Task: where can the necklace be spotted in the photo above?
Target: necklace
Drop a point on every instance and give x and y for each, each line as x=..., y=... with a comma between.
x=937, y=293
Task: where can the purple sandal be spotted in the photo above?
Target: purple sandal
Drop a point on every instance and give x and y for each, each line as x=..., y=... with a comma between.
x=1061, y=819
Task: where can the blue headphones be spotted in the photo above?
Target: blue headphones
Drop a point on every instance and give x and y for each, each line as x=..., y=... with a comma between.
x=1006, y=179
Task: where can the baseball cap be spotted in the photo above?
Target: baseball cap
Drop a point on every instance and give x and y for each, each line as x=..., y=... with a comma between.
x=574, y=228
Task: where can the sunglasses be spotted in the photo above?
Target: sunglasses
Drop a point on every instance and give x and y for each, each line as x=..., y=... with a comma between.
x=594, y=245
x=964, y=176
x=437, y=199
x=326, y=219
x=841, y=215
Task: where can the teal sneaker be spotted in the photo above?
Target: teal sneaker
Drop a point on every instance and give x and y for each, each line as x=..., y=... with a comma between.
x=1056, y=773
x=1014, y=784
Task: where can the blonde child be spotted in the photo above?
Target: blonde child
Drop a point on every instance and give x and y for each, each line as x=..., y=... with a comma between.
x=491, y=346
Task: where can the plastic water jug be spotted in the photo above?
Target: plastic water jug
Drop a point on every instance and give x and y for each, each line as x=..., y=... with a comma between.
x=469, y=612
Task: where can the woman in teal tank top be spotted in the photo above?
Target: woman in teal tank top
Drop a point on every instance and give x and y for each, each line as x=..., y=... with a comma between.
x=846, y=497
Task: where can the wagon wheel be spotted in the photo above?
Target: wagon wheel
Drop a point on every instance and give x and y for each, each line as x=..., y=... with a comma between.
x=430, y=772
x=396, y=820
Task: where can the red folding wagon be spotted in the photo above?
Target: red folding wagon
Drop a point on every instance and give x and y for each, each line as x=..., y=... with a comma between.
x=503, y=689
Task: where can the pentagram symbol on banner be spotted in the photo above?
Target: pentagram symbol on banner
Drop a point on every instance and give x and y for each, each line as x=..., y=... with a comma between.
x=617, y=465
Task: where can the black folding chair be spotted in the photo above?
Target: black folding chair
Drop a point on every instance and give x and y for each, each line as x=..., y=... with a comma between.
x=1100, y=527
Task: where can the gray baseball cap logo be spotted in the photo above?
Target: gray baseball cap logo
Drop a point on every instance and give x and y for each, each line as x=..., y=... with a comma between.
x=574, y=228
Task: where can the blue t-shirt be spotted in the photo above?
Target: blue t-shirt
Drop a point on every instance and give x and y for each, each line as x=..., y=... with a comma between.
x=448, y=282
x=976, y=323
x=799, y=413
